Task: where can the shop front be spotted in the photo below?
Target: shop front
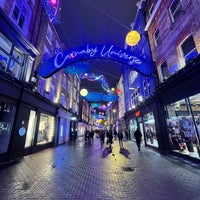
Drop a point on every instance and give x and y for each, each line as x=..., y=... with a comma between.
x=180, y=96
x=63, y=126
x=183, y=125
x=144, y=119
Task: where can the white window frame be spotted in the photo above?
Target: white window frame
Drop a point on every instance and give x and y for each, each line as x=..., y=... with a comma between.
x=49, y=34
x=156, y=39
x=20, y=4
x=170, y=11
x=146, y=87
x=182, y=60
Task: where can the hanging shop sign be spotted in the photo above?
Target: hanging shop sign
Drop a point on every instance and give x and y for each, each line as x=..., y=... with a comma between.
x=105, y=52
x=137, y=114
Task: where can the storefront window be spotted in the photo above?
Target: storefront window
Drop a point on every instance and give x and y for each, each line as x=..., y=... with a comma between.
x=46, y=129
x=181, y=128
x=150, y=131
x=31, y=129
x=7, y=113
x=132, y=128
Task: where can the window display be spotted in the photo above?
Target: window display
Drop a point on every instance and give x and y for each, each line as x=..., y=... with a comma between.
x=150, y=131
x=7, y=113
x=31, y=129
x=132, y=128
x=181, y=128
x=46, y=129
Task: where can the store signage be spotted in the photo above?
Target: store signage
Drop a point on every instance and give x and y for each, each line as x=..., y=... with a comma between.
x=137, y=114
x=105, y=52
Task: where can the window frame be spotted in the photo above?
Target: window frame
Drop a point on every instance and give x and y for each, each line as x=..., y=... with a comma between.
x=173, y=15
x=182, y=57
x=21, y=5
x=156, y=39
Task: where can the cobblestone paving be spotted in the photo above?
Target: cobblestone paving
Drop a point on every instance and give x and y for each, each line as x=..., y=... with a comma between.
x=90, y=172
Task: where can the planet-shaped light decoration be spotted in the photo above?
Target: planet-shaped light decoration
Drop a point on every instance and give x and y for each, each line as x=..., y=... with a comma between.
x=83, y=92
x=113, y=89
x=118, y=91
x=132, y=38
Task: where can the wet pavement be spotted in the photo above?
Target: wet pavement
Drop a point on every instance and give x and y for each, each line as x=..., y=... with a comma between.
x=90, y=172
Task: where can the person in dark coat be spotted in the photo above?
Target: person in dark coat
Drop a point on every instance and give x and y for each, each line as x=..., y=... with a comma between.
x=120, y=138
x=138, y=136
x=110, y=139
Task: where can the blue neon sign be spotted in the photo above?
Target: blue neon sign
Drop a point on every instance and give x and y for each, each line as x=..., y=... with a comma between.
x=106, y=52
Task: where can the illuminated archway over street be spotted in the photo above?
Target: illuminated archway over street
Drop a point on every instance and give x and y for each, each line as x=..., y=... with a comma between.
x=105, y=52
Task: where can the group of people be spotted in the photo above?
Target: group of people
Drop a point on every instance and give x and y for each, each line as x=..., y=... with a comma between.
x=89, y=136
x=109, y=136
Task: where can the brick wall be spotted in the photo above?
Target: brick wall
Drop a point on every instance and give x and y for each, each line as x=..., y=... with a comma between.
x=172, y=33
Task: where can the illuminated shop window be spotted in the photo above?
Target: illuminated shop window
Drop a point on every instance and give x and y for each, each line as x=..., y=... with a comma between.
x=46, y=129
x=181, y=126
x=150, y=130
x=132, y=128
x=7, y=113
x=31, y=129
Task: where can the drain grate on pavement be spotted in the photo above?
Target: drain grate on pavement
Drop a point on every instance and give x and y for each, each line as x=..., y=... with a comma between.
x=128, y=169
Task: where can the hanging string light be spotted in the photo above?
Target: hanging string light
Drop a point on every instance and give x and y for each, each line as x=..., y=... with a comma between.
x=52, y=8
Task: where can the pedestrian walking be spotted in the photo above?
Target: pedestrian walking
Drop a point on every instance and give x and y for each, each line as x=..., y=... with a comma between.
x=120, y=138
x=110, y=139
x=138, y=136
x=74, y=136
x=102, y=137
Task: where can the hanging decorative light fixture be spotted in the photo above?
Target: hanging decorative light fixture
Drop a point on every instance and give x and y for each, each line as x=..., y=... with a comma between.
x=132, y=38
x=83, y=92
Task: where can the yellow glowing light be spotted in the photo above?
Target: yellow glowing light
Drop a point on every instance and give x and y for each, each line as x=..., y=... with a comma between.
x=83, y=92
x=132, y=38
x=113, y=89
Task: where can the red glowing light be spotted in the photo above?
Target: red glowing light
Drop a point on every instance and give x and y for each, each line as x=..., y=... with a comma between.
x=117, y=91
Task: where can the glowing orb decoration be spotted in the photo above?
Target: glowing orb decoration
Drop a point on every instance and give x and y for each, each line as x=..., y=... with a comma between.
x=132, y=38
x=118, y=91
x=112, y=89
x=83, y=92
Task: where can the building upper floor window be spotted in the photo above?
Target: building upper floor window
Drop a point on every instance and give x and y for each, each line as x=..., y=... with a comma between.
x=62, y=99
x=187, y=50
x=146, y=87
x=64, y=81
x=132, y=76
x=21, y=14
x=135, y=98
x=164, y=70
x=49, y=34
x=14, y=60
x=68, y=86
x=152, y=7
x=174, y=9
x=156, y=37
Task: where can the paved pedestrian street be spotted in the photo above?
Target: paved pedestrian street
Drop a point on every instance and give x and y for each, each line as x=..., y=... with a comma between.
x=89, y=172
